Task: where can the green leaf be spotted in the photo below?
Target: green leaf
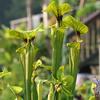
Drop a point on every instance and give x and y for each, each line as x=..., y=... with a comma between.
x=66, y=91
x=22, y=34
x=3, y=74
x=37, y=64
x=60, y=72
x=74, y=45
x=93, y=85
x=75, y=24
x=64, y=8
x=52, y=8
x=74, y=52
x=14, y=34
x=19, y=34
x=21, y=50
x=17, y=89
x=58, y=10
x=55, y=30
x=47, y=67
x=67, y=80
x=92, y=98
x=82, y=89
x=51, y=92
x=40, y=90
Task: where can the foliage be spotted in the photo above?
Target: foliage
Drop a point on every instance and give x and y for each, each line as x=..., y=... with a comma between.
x=2, y=74
x=60, y=82
x=88, y=8
x=85, y=91
x=9, y=65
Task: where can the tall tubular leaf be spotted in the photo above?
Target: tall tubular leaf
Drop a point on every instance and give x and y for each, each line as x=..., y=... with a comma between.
x=28, y=71
x=57, y=35
x=34, y=89
x=40, y=90
x=27, y=54
x=51, y=92
x=57, y=42
x=73, y=62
